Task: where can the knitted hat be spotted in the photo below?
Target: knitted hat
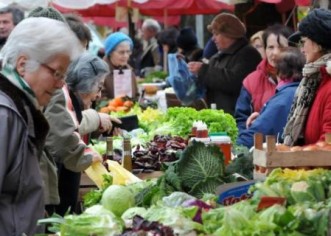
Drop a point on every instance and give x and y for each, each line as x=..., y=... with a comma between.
x=187, y=39
x=228, y=25
x=47, y=12
x=114, y=39
x=316, y=26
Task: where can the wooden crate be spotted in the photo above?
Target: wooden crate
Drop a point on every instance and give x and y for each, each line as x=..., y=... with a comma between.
x=265, y=159
x=172, y=100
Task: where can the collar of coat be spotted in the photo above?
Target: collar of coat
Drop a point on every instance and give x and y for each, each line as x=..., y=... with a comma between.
x=237, y=45
x=37, y=124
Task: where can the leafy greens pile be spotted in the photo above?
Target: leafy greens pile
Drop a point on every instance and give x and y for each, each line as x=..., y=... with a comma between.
x=217, y=120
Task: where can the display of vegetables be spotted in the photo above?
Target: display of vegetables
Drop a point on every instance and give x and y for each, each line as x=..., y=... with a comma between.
x=180, y=213
x=288, y=202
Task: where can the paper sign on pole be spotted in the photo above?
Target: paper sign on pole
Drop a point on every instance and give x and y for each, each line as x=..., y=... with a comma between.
x=122, y=83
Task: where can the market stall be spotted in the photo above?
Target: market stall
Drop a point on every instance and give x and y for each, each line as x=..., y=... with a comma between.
x=185, y=185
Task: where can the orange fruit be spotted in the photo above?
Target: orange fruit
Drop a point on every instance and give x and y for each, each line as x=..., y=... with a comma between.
x=128, y=103
x=122, y=108
x=117, y=102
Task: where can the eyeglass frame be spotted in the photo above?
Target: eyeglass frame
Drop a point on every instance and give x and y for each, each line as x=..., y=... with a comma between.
x=56, y=74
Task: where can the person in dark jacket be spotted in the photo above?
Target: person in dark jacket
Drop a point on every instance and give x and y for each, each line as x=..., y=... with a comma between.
x=273, y=116
x=187, y=44
x=223, y=74
x=33, y=70
x=167, y=40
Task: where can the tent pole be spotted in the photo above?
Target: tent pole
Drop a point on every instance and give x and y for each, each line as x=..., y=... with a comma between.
x=165, y=52
x=199, y=29
x=130, y=21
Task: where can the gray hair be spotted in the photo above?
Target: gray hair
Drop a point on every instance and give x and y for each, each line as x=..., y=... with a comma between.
x=86, y=73
x=38, y=39
x=18, y=14
x=152, y=25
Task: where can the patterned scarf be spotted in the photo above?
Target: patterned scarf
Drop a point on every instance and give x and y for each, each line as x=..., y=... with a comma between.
x=303, y=100
x=11, y=74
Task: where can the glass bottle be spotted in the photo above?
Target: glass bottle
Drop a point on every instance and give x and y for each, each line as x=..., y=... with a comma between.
x=109, y=151
x=127, y=154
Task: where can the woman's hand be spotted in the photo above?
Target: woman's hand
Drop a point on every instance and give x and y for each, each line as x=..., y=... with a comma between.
x=251, y=119
x=194, y=67
x=106, y=124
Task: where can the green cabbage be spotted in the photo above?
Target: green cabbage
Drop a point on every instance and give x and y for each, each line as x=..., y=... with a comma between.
x=200, y=169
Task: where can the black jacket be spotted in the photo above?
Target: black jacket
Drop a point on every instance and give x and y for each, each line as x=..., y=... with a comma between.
x=225, y=72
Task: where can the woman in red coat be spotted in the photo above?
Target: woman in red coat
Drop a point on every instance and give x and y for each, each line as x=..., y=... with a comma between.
x=260, y=85
x=310, y=116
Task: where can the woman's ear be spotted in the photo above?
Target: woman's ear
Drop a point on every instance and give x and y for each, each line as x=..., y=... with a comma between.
x=20, y=65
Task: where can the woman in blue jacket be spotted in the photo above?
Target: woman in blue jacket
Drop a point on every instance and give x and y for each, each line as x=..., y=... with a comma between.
x=273, y=117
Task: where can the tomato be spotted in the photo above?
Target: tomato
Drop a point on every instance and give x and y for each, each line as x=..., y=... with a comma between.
x=321, y=144
x=327, y=147
x=310, y=148
x=117, y=102
x=121, y=108
x=296, y=148
x=282, y=148
x=128, y=103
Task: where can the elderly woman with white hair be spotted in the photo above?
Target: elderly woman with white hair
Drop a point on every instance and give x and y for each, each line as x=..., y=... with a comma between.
x=118, y=48
x=85, y=81
x=34, y=65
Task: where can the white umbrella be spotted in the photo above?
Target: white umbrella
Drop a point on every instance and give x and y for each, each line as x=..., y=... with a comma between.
x=25, y=4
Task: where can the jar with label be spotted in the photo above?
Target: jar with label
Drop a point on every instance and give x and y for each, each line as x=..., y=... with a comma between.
x=224, y=142
x=194, y=129
x=202, y=130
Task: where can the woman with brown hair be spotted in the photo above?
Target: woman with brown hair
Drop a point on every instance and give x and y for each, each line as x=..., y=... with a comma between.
x=273, y=116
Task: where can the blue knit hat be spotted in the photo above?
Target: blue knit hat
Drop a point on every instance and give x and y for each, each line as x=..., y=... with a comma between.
x=114, y=39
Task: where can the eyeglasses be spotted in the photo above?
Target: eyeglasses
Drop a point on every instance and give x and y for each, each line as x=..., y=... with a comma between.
x=56, y=74
x=123, y=52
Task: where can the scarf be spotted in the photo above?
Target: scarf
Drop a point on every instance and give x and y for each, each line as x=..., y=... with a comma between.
x=12, y=75
x=272, y=73
x=303, y=100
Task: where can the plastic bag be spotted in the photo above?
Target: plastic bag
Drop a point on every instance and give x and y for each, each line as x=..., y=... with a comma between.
x=184, y=83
